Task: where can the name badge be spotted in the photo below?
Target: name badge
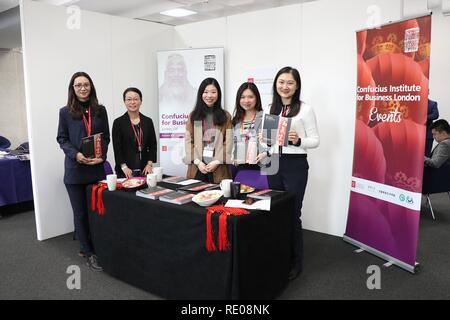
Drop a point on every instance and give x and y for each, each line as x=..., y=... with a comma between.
x=208, y=153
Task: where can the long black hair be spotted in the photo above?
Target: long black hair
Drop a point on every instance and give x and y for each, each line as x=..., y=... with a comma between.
x=74, y=105
x=277, y=104
x=200, y=109
x=239, y=112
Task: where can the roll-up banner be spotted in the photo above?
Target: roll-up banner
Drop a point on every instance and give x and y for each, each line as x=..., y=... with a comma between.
x=180, y=73
x=392, y=97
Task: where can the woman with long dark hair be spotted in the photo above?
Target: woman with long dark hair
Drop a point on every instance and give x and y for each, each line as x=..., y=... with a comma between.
x=208, y=136
x=293, y=168
x=247, y=123
x=83, y=116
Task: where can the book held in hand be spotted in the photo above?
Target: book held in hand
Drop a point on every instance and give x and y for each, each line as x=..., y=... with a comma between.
x=92, y=146
x=177, y=197
x=252, y=152
x=265, y=194
x=153, y=193
x=276, y=130
x=245, y=152
x=284, y=126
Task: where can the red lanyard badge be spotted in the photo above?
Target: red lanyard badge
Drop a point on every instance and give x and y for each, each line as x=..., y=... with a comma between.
x=286, y=110
x=208, y=132
x=139, y=137
x=88, y=122
x=246, y=132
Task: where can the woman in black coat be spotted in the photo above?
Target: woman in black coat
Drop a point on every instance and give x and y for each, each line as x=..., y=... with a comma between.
x=82, y=117
x=134, y=138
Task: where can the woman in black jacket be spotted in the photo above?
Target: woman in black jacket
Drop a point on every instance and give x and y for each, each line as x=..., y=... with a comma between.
x=134, y=138
x=82, y=117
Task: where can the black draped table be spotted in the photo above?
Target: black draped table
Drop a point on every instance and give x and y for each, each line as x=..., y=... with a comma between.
x=160, y=247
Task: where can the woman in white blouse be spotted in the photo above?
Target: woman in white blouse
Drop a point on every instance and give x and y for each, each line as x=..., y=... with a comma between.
x=292, y=173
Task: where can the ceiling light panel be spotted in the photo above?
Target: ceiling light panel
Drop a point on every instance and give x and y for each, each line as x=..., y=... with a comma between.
x=178, y=12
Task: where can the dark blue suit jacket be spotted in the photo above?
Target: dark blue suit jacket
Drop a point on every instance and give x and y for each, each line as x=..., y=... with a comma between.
x=70, y=133
x=432, y=114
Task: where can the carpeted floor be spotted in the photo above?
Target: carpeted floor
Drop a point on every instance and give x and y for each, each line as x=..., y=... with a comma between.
x=30, y=269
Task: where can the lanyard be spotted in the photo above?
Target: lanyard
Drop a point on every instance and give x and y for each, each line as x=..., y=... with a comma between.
x=88, y=122
x=248, y=129
x=286, y=110
x=138, y=137
x=208, y=131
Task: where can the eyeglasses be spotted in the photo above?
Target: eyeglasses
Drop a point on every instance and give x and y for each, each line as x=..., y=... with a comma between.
x=132, y=99
x=79, y=86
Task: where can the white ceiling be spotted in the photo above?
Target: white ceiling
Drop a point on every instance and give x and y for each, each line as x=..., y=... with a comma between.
x=9, y=26
x=138, y=9
x=149, y=9
x=8, y=4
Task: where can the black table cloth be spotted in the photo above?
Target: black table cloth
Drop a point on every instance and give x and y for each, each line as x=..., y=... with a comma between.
x=160, y=247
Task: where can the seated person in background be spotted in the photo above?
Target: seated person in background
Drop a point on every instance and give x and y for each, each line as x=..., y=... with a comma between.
x=432, y=114
x=441, y=153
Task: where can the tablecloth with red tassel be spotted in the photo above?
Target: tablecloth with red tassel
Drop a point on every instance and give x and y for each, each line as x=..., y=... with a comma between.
x=97, y=204
x=223, y=244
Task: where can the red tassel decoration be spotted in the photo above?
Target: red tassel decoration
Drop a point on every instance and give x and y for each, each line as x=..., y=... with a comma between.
x=93, y=196
x=97, y=204
x=223, y=241
x=100, y=204
x=210, y=246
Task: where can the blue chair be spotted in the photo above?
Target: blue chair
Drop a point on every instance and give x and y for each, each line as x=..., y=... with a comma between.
x=436, y=181
x=4, y=143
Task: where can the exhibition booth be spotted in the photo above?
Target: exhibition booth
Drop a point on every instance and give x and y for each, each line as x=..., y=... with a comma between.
x=365, y=176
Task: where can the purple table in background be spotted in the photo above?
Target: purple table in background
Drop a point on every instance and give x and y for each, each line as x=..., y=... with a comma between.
x=15, y=181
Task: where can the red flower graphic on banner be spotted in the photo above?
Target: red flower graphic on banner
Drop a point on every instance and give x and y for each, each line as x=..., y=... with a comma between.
x=403, y=145
x=425, y=66
x=389, y=39
x=368, y=160
x=423, y=54
x=393, y=71
x=361, y=42
x=365, y=80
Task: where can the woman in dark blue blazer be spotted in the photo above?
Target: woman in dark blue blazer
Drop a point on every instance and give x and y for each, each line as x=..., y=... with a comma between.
x=82, y=117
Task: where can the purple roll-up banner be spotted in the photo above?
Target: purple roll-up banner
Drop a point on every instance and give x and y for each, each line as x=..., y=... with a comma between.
x=392, y=97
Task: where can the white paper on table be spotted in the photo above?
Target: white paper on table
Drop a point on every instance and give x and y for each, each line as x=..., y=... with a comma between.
x=188, y=182
x=259, y=205
x=119, y=180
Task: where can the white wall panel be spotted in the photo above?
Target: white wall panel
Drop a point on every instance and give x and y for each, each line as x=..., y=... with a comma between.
x=115, y=52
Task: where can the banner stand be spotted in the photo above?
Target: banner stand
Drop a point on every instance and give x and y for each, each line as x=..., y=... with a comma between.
x=180, y=73
x=393, y=65
x=413, y=269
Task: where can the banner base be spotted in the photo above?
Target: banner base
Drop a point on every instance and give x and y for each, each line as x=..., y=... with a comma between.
x=413, y=269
